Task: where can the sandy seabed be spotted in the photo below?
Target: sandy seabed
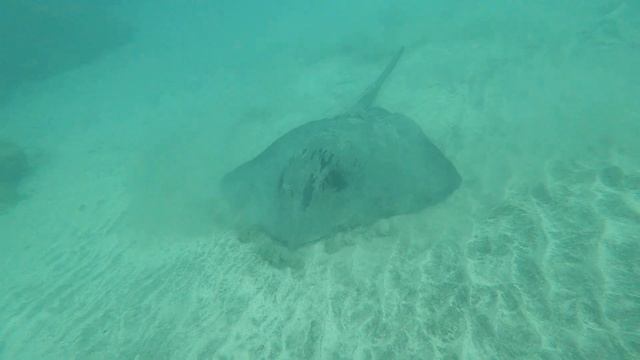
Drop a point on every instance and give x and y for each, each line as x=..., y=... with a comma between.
x=110, y=254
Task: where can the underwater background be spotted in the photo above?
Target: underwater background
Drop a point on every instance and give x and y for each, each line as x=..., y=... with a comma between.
x=118, y=119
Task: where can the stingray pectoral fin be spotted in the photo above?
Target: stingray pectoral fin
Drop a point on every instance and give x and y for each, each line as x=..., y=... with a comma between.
x=369, y=96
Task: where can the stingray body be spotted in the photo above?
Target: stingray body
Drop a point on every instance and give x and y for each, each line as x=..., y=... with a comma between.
x=337, y=173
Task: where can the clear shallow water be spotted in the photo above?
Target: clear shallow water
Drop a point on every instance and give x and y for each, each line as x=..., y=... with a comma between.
x=112, y=251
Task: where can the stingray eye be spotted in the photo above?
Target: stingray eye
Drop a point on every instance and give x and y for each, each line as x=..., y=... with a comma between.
x=283, y=185
x=325, y=159
x=335, y=180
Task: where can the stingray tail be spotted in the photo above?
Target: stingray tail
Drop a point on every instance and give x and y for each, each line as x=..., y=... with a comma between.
x=369, y=96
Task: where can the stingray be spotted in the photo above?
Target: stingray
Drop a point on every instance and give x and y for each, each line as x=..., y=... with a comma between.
x=338, y=173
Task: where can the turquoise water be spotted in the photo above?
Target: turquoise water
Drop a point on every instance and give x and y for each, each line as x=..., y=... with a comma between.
x=118, y=120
